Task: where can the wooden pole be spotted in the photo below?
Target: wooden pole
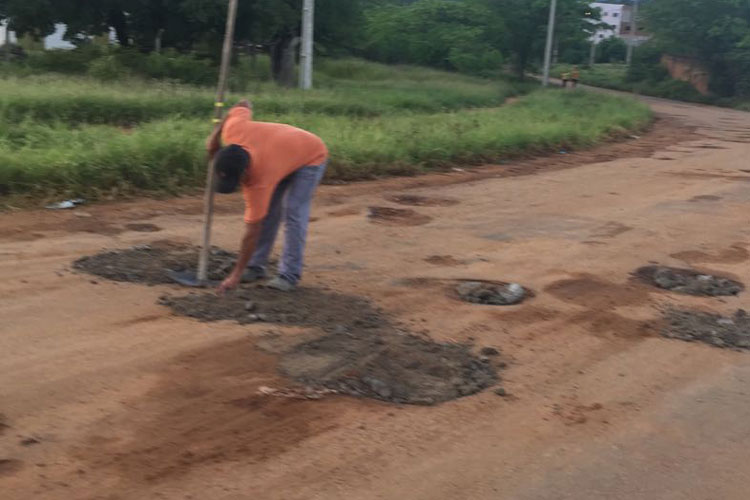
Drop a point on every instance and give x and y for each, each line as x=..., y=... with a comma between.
x=208, y=197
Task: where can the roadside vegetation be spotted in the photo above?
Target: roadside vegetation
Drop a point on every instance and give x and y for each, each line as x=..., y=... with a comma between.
x=76, y=136
x=647, y=79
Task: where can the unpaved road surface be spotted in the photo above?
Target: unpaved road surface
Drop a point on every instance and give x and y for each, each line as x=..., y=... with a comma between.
x=105, y=394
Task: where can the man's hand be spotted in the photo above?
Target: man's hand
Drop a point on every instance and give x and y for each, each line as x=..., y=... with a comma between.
x=247, y=247
x=232, y=282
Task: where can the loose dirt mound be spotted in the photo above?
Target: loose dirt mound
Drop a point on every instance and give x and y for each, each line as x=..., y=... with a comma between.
x=360, y=353
x=421, y=201
x=149, y=263
x=397, y=216
x=719, y=331
x=496, y=294
x=688, y=281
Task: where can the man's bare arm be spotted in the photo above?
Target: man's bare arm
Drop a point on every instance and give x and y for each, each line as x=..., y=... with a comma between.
x=247, y=248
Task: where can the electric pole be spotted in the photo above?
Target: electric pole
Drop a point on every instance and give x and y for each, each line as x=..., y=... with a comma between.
x=633, y=34
x=306, y=52
x=550, y=37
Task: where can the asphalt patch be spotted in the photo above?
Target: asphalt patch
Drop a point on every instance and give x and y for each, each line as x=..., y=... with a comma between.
x=149, y=264
x=689, y=281
x=356, y=348
x=496, y=294
x=397, y=216
x=732, y=332
x=421, y=201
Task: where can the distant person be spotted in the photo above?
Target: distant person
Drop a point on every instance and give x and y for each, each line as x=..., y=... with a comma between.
x=575, y=76
x=565, y=78
x=279, y=168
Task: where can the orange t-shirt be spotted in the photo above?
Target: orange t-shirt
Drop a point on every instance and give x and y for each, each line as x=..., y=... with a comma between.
x=276, y=150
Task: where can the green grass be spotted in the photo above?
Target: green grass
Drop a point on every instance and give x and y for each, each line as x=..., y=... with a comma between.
x=53, y=158
x=342, y=90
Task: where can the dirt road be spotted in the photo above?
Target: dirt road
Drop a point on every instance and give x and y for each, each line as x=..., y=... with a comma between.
x=104, y=394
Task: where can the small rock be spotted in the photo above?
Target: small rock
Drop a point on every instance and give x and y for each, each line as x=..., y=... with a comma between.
x=489, y=351
x=501, y=392
x=29, y=441
x=379, y=387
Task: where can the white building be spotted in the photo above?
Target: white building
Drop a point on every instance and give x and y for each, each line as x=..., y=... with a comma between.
x=612, y=14
x=620, y=19
x=54, y=41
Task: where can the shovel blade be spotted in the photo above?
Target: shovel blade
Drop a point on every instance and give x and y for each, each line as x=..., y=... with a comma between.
x=187, y=278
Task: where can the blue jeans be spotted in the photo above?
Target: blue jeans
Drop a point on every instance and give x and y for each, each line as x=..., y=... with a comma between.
x=291, y=200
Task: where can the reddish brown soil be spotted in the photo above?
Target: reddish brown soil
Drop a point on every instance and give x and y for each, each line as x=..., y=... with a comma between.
x=129, y=401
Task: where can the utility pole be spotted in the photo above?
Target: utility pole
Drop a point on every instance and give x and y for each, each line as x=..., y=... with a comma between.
x=550, y=37
x=592, y=54
x=7, y=40
x=306, y=52
x=633, y=34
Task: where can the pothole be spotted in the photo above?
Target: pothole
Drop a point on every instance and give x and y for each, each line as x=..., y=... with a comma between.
x=488, y=293
x=728, y=332
x=359, y=352
x=143, y=227
x=444, y=260
x=689, y=281
x=149, y=264
x=397, y=216
x=421, y=201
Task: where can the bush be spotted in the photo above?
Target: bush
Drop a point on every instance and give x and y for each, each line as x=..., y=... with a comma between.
x=108, y=68
x=646, y=65
x=65, y=61
x=611, y=50
x=673, y=89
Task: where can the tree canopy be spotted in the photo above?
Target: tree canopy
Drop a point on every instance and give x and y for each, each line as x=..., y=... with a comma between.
x=463, y=35
x=717, y=33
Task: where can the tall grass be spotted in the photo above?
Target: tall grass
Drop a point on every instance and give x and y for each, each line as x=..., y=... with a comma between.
x=53, y=158
x=77, y=100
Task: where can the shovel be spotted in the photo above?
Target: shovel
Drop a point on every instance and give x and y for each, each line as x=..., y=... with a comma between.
x=189, y=278
x=200, y=279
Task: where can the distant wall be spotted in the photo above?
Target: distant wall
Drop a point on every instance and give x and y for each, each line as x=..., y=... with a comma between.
x=688, y=70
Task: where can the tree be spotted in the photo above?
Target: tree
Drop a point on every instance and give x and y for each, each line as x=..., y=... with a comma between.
x=525, y=24
x=716, y=33
x=440, y=33
x=611, y=50
x=186, y=25
x=34, y=17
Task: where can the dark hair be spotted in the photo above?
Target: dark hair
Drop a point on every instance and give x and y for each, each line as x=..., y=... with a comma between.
x=230, y=163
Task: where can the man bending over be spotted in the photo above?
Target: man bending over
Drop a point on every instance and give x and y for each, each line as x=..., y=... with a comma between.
x=279, y=168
